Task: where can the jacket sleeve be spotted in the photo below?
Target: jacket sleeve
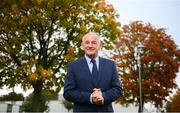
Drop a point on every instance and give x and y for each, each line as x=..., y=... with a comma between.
x=70, y=91
x=115, y=91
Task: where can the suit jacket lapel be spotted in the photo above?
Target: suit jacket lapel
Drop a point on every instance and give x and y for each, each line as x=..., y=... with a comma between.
x=101, y=66
x=85, y=65
x=86, y=69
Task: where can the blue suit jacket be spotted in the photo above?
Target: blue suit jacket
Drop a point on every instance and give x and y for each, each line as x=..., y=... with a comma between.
x=79, y=85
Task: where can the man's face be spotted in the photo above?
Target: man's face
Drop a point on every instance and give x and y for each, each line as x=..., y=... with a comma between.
x=91, y=45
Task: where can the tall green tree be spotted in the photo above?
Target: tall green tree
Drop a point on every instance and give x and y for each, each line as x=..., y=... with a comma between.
x=39, y=37
x=160, y=61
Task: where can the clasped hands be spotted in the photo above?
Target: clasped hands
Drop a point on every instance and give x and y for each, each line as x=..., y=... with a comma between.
x=97, y=97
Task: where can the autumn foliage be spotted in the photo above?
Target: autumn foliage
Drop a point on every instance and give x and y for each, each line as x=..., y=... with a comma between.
x=174, y=104
x=160, y=61
x=39, y=37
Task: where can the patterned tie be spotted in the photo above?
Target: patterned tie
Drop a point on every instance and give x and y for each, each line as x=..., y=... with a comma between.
x=94, y=70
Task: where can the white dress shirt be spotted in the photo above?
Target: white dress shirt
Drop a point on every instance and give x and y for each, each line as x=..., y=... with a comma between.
x=90, y=64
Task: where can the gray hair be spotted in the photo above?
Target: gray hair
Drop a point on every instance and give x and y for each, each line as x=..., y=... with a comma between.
x=91, y=33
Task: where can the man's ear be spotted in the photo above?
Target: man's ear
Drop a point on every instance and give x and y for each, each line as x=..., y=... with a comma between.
x=81, y=47
x=101, y=45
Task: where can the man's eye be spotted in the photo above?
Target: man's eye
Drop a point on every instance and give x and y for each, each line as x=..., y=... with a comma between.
x=94, y=42
x=86, y=42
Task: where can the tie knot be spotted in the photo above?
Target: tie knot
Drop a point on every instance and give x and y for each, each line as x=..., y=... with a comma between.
x=93, y=61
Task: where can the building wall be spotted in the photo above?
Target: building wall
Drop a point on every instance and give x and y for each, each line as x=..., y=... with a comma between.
x=3, y=107
x=57, y=106
x=8, y=106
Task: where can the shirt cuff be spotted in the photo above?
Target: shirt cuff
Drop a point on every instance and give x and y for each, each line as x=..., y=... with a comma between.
x=91, y=99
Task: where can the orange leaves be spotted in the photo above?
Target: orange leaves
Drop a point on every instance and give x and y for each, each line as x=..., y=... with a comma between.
x=44, y=73
x=174, y=104
x=14, y=8
x=40, y=73
x=125, y=28
x=104, y=7
x=83, y=28
x=39, y=2
x=98, y=26
x=111, y=20
x=24, y=20
x=159, y=61
x=129, y=81
x=101, y=5
x=33, y=76
x=69, y=55
x=37, y=72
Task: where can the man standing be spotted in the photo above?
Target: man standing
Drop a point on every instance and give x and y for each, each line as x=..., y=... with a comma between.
x=92, y=82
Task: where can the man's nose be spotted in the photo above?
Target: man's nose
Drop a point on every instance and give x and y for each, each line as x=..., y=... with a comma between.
x=90, y=44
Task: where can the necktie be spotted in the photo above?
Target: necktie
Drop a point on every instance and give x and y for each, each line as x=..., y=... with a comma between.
x=94, y=70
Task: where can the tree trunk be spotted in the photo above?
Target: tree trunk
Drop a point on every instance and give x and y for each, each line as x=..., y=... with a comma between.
x=38, y=101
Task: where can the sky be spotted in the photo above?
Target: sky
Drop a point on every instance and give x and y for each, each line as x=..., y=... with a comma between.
x=160, y=13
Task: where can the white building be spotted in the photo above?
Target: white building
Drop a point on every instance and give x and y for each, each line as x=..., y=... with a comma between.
x=58, y=106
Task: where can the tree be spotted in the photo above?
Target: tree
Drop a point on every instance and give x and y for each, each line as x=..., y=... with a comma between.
x=39, y=37
x=27, y=105
x=68, y=105
x=159, y=63
x=174, y=104
x=12, y=96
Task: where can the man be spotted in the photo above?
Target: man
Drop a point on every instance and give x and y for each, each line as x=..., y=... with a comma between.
x=92, y=82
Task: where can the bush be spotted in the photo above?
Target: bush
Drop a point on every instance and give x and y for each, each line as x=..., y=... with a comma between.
x=12, y=96
x=27, y=104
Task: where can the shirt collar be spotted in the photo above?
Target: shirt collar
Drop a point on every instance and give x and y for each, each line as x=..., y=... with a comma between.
x=89, y=59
